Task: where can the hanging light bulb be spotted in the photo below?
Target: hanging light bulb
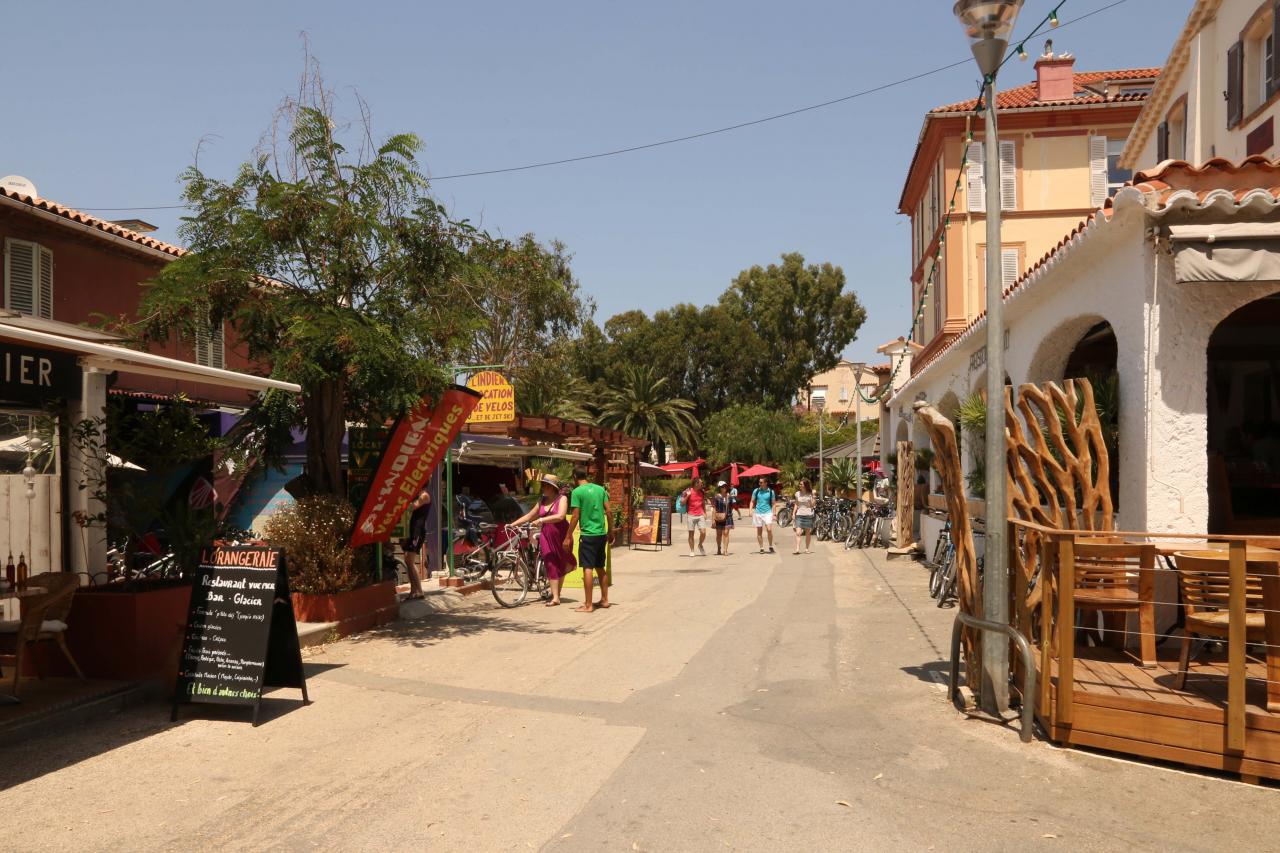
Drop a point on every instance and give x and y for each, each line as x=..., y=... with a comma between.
x=1022, y=52
x=1053, y=18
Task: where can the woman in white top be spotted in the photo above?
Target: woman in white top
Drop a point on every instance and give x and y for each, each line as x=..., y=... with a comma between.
x=806, y=502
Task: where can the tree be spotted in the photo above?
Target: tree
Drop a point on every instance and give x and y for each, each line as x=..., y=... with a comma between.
x=752, y=433
x=799, y=321
x=641, y=406
x=334, y=267
x=528, y=299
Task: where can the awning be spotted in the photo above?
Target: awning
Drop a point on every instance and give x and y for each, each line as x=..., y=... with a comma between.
x=849, y=450
x=1236, y=252
x=106, y=357
x=475, y=453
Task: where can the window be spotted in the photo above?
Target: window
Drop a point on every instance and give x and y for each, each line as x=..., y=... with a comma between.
x=1171, y=135
x=210, y=346
x=1105, y=174
x=1010, y=268
x=28, y=278
x=844, y=393
x=975, y=176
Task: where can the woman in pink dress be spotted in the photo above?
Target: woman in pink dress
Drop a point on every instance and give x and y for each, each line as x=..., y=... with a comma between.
x=551, y=515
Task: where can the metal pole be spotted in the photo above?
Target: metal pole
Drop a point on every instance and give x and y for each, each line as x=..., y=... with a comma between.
x=857, y=408
x=822, y=470
x=995, y=586
x=448, y=487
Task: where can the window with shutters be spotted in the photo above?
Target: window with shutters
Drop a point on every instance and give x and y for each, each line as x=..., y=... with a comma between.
x=975, y=179
x=209, y=345
x=1116, y=176
x=28, y=278
x=1008, y=175
x=1010, y=268
x=1256, y=64
x=1171, y=142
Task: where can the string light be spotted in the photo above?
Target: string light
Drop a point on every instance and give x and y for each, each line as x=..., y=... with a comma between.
x=1022, y=52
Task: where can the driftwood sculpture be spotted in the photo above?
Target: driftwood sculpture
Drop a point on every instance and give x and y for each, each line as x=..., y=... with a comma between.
x=906, y=494
x=946, y=459
x=1058, y=475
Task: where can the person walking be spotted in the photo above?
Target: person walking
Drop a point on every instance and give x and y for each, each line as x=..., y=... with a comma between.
x=733, y=501
x=587, y=504
x=551, y=516
x=722, y=506
x=419, y=517
x=762, y=513
x=695, y=498
x=806, y=506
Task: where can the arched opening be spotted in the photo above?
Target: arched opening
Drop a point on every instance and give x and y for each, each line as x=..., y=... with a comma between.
x=1094, y=358
x=1243, y=404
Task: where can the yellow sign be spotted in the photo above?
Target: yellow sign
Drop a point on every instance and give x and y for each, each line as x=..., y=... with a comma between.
x=498, y=405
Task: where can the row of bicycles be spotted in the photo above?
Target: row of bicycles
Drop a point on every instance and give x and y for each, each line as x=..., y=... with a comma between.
x=842, y=520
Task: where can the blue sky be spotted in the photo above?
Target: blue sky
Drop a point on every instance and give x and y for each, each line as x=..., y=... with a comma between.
x=107, y=103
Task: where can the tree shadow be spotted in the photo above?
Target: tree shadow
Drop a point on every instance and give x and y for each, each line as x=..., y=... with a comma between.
x=933, y=672
x=442, y=627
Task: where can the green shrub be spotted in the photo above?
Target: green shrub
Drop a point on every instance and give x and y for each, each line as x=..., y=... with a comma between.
x=313, y=533
x=668, y=486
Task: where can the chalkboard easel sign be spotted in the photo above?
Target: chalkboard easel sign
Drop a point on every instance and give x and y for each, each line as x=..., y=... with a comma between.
x=241, y=635
x=663, y=505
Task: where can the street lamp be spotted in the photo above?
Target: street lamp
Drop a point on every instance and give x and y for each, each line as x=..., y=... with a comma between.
x=988, y=26
x=858, y=367
x=820, y=403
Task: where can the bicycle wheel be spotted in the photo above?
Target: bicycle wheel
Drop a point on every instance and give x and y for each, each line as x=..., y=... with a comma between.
x=948, y=591
x=937, y=574
x=855, y=530
x=510, y=581
x=784, y=517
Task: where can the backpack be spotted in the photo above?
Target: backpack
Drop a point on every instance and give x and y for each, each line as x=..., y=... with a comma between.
x=682, y=501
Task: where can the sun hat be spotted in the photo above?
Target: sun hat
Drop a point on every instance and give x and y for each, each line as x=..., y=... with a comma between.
x=551, y=480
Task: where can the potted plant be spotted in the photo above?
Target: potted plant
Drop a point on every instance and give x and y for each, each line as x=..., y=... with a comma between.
x=330, y=581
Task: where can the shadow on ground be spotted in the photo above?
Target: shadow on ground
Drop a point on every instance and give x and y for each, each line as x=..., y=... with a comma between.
x=441, y=627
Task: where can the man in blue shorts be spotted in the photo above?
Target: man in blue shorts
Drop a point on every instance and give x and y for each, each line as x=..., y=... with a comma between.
x=587, y=509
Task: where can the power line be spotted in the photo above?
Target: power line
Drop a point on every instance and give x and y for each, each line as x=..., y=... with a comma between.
x=706, y=133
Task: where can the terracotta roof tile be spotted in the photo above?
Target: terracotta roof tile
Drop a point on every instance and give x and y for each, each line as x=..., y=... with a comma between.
x=102, y=225
x=1172, y=185
x=1024, y=97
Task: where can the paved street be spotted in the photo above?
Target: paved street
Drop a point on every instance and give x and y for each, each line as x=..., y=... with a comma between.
x=748, y=703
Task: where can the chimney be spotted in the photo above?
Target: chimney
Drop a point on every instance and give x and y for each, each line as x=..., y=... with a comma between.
x=1055, y=75
x=139, y=225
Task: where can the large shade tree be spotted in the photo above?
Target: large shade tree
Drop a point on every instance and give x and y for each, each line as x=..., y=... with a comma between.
x=333, y=265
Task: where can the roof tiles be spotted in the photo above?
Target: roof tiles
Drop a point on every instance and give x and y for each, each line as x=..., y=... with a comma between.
x=102, y=225
x=1024, y=97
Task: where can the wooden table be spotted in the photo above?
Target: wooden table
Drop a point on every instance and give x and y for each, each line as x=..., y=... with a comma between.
x=1265, y=563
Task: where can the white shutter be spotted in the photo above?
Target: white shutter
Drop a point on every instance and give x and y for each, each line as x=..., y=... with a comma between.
x=1009, y=268
x=1097, y=170
x=20, y=275
x=202, y=344
x=46, y=284
x=1008, y=175
x=975, y=180
x=217, y=355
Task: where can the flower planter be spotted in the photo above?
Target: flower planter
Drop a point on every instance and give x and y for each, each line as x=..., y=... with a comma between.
x=353, y=611
x=123, y=634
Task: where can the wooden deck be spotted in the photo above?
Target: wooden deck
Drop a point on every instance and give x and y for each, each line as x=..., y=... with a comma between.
x=1120, y=706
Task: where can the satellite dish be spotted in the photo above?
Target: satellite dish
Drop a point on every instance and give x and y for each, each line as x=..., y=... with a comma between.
x=19, y=184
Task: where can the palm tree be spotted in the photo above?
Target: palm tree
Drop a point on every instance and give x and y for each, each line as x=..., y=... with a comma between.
x=640, y=406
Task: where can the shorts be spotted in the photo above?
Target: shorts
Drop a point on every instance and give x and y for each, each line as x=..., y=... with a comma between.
x=591, y=552
x=762, y=519
x=804, y=522
x=696, y=522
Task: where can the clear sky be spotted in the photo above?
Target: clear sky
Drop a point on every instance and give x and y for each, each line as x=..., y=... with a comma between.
x=105, y=105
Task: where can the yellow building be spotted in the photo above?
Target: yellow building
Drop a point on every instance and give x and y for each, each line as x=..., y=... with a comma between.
x=1060, y=139
x=835, y=388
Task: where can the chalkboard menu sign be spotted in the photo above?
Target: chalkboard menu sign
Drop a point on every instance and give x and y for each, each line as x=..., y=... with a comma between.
x=663, y=505
x=241, y=635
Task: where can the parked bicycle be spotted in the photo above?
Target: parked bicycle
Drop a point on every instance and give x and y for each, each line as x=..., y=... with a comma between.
x=519, y=568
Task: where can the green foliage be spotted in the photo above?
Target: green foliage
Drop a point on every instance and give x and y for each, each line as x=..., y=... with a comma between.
x=842, y=475
x=313, y=533
x=334, y=266
x=668, y=486
x=752, y=434
x=971, y=417
x=976, y=479
x=641, y=405
x=791, y=473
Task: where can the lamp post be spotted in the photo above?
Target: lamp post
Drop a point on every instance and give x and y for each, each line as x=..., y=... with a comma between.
x=988, y=24
x=820, y=403
x=858, y=367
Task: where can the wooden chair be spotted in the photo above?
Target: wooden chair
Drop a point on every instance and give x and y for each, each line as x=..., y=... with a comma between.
x=1116, y=580
x=1205, y=585
x=60, y=586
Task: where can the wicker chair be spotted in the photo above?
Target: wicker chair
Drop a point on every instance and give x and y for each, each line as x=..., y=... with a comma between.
x=1116, y=580
x=1205, y=584
x=61, y=586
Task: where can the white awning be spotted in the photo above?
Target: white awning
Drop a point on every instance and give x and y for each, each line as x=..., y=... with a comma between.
x=106, y=357
x=471, y=453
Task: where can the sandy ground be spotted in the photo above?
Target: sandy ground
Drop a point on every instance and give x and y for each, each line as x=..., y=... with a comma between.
x=754, y=702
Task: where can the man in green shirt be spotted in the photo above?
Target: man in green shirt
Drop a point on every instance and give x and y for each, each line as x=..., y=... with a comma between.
x=587, y=509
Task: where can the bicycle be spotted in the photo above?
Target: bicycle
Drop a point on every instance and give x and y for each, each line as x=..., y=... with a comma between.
x=785, y=514
x=518, y=568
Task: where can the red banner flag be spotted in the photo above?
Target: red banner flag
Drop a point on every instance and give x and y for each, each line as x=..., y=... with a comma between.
x=417, y=443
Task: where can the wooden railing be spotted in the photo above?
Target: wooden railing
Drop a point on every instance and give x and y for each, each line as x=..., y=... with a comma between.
x=1043, y=584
